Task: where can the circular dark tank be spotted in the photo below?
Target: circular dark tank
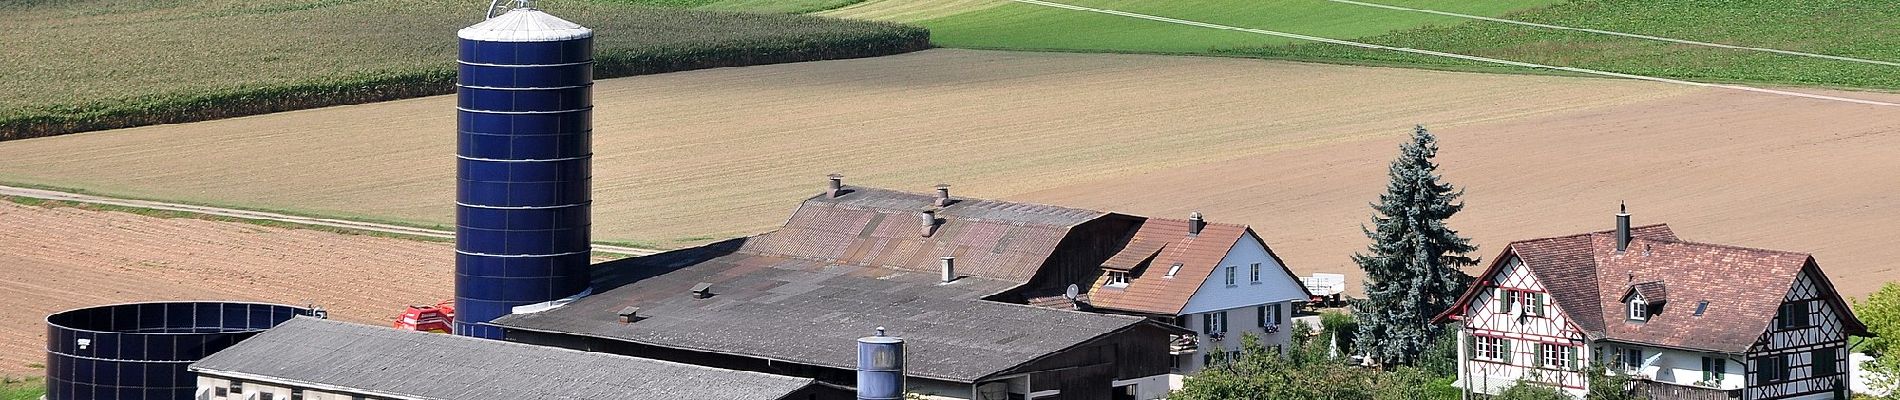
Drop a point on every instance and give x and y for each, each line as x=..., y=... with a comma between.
x=141, y=350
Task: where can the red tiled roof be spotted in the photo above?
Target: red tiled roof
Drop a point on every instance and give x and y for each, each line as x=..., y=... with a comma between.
x=1588, y=278
x=1149, y=289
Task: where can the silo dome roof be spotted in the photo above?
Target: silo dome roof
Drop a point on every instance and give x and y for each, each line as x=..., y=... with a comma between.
x=525, y=25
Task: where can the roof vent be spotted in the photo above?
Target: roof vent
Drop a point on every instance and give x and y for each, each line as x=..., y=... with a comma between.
x=1622, y=227
x=1195, y=223
x=836, y=187
x=702, y=290
x=949, y=269
x=927, y=222
x=943, y=195
x=629, y=314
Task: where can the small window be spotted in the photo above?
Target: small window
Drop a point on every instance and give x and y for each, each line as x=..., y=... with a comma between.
x=1556, y=356
x=222, y=391
x=1489, y=348
x=1230, y=274
x=1533, y=303
x=1269, y=314
x=1256, y=273
x=1771, y=369
x=1631, y=360
x=1701, y=307
x=296, y=394
x=237, y=387
x=1117, y=279
x=266, y=396
x=1793, y=315
x=1713, y=368
x=1173, y=269
x=1639, y=309
x=1826, y=362
x=1214, y=322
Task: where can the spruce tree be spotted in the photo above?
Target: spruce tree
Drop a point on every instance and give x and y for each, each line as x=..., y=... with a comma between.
x=1412, y=269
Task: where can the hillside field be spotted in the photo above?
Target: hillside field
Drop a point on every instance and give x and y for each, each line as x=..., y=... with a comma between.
x=1295, y=150
x=1854, y=28
x=78, y=65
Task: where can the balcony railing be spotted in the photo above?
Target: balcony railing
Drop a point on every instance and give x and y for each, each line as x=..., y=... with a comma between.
x=1183, y=344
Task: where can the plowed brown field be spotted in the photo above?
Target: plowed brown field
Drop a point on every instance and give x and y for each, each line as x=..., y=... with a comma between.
x=1296, y=150
x=62, y=258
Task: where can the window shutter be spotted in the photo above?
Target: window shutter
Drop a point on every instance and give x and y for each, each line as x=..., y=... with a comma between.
x=1263, y=316
x=1504, y=305
x=1539, y=298
x=1538, y=350
x=1278, y=316
x=1505, y=346
x=1223, y=322
x=1471, y=346
x=1207, y=323
x=1571, y=354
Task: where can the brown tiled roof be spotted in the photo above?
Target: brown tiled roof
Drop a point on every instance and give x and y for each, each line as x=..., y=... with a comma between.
x=1587, y=278
x=1149, y=289
x=879, y=227
x=1652, y=291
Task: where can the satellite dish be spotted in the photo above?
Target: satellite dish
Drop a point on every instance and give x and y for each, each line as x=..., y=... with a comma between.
x=1073, y=292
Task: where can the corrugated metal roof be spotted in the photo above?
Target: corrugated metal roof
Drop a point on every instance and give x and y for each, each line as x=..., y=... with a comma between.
x=810, y=312
x=879, y=227
x=391, y=362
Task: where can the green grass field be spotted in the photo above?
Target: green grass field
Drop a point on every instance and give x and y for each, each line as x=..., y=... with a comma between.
x=12, y=388
x=76, y=65
x=766, y=6
x=1857, y=28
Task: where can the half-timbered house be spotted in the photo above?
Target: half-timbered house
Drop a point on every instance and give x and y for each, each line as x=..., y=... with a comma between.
x=1687, y=320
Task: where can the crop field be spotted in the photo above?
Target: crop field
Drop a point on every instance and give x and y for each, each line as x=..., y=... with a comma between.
x=93, y=64
x=62, y=258
x=1855, y=28
x=1296, y=150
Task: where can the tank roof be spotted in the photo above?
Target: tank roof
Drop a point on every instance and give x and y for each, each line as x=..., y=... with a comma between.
x=525, y=25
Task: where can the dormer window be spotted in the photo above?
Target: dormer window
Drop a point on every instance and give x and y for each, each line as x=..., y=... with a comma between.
x=1117, y=279
x=1639, y=309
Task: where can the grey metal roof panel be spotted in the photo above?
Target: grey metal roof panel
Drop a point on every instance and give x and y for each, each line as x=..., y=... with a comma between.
x=437, y=366
x=811, y=312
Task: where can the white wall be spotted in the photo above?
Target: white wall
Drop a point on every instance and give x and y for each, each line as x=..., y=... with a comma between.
x=1240, y=321
x=1275, y=284
x=1679, y=367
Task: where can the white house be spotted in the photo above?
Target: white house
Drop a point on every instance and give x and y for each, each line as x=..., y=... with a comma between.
x=1687, y=320
x=1219, y=280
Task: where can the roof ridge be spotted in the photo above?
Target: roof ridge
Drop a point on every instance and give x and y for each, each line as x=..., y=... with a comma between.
x=1727, y=246
x=1586, y=233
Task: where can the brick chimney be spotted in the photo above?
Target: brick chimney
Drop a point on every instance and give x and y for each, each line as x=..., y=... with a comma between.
x=1195, y=223
x=836, y=187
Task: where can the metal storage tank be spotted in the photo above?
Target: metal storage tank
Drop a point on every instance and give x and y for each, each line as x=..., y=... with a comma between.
x=141, y=350
x=522, y=165
x=880, y=367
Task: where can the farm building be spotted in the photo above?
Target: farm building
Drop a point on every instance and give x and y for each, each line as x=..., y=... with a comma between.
x=1688, y=320
x=953, y=276
x=317, y=359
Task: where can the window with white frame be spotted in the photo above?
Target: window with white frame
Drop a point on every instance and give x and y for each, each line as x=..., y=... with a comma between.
x=1270, y=314
x=1117, y=279
x=1713, y=368
x=1489, y=348
x=1533, y=303
x=1639, y=309
x=1214, y=322
x=1556, y=356
x=1256, y=273
x=1230, y=274
x=1792, y=315
x=1631, y=360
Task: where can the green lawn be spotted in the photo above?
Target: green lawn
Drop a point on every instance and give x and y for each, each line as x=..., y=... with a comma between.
x=765, y=6
x=22, y=388
x=1856, y=28
x=1026, y=26
x=76, y=65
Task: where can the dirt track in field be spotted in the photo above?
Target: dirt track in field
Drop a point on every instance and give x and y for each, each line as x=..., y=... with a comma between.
x=63, y=258
x=1296, y=150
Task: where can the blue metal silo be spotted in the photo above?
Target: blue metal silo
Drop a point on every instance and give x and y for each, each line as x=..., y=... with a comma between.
x=522, y=165
x=144, y=350
x=880, y=367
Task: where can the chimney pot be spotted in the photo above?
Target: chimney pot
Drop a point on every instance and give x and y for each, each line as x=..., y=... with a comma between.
x=927, y=221
x=943, y=195
x=1622, y=228
x=949, y=269
x=1195, y=223
x=836, y=186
